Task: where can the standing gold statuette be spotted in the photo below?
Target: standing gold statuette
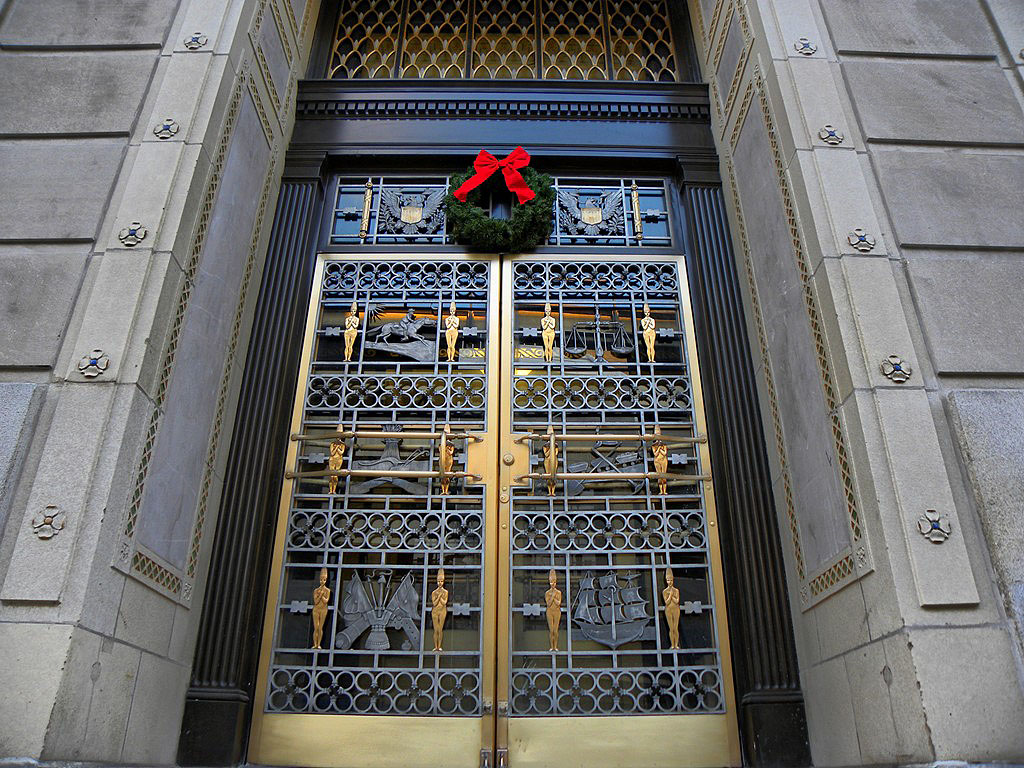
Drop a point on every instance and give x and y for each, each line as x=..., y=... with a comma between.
x=451, y=331
x=553, y=600
x=647, y=325
x=660, y=451
x=447, y=458
x=321, y=598
x=351, y=331
x=551, y=460
x=439, y=608
x=335, y=462
x=364, y=226
x=547, y=332
x=670, y=594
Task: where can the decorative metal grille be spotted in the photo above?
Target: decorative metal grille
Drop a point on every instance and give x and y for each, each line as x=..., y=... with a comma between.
x=588, y=212
x=608, y=541
x=382, y=540
x=505, y=39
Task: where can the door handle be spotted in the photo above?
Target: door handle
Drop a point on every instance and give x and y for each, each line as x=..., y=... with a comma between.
x=552, y=440
x=445, y=456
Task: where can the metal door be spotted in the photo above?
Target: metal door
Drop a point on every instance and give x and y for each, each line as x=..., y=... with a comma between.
x=606, y=497
x=446, y=419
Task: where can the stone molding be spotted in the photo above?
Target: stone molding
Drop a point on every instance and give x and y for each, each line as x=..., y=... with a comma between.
x=320, y=100
x=897, y=452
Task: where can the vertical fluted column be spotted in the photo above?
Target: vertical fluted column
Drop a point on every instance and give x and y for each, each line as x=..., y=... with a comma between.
x=217, y=707
x=772, y=723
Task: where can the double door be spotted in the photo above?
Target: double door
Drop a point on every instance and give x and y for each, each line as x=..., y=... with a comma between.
x=497, y=543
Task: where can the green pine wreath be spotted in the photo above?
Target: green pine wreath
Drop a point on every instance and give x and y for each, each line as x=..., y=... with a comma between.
x=528, y=227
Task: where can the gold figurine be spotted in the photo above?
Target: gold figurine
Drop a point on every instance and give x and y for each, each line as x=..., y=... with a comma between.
x=547, y=332
x=553, y=600
x=439, y=608
x=551, y=460
x=351, y=330
x=321, y=598
x=670, y=594
x=451, y=333
x=660, y=451
x=647, y=324
x=447, y=451
x=335, y=462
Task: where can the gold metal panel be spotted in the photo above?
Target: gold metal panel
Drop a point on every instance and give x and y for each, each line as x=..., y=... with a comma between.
x=644, y=741
x=367, y=741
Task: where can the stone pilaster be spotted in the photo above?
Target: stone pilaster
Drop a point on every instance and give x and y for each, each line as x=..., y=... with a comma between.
x=140, y=196
x=868, y=152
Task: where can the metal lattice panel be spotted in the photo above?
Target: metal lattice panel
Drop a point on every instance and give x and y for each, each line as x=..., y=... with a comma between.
x=381, y=537
x=386, y=210
x=505, y=44
x=435, y=39
x=573, y=47
x=366, y=40
x=608, y=540
x=641, y=43
x=601, y=40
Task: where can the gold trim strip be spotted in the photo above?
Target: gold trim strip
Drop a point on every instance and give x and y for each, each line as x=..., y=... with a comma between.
x=364, y=226
x=410, y=473
x=638, y=222
x=612, y=476
x=610, y=436
x=374, y=435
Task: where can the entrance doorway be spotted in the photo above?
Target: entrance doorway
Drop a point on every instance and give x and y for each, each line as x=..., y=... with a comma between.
x=497, y=541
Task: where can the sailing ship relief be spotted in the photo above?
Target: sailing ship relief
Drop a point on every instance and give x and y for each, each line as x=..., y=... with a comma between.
x=610, y=614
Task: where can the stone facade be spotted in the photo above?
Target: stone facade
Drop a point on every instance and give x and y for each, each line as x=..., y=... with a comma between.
x=143, y=142
x=872, y=152
x=871, y=155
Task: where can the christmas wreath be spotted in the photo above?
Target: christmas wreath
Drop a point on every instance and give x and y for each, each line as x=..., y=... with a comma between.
x=530, y=222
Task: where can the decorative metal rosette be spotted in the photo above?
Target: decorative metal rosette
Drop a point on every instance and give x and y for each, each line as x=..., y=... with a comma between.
x=934, y=526
x=93, y=364
x=896, y=369
x=166, y=128
x=133, y=234
x=196, y=40
x=830, y=134
x=805, y=47
x=861, y=240
x=48, y=523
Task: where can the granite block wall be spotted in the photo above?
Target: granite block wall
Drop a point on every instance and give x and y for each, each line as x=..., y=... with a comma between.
x=141, y=145
x=873, y=150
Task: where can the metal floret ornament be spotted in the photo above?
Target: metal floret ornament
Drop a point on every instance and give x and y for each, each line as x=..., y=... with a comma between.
x=531, y=219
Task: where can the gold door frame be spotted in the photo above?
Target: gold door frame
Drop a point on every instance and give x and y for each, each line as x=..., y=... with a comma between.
x=378, y=741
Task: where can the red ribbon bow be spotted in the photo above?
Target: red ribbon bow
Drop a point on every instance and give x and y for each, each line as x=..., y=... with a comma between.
x=486, y=164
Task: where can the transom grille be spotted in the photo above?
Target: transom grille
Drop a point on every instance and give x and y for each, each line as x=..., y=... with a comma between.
x=601, y=40
x=587, y=212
